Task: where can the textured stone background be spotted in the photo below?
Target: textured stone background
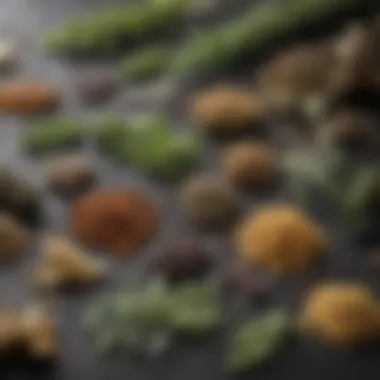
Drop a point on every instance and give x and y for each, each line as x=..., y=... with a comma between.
x=23, y=22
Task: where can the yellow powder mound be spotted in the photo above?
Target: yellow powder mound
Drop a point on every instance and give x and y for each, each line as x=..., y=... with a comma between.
x=341, y=313
x=280, y=238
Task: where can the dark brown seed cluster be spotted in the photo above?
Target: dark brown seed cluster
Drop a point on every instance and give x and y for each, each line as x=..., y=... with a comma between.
x=181, y=259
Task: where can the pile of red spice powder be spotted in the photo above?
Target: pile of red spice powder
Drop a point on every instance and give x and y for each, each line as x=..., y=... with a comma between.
x=116, y=220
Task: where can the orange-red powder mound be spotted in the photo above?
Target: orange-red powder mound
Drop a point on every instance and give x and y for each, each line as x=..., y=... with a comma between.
x=118, y=221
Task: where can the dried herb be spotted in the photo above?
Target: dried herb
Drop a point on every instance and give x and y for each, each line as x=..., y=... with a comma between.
x=147, y=63
x=144, y=320
x=153, y=145
x=258, y=340
x=109, y=30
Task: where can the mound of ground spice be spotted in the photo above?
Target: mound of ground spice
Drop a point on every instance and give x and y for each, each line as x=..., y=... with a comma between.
x=116, y=220
x=280, y=238
x=342, y=313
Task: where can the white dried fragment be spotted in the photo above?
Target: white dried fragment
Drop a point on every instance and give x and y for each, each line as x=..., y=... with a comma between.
x=63, y=263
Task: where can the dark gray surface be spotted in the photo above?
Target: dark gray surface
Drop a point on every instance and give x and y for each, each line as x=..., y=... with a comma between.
x=23, y=21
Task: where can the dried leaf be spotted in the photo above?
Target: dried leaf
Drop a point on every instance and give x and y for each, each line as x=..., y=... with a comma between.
x=257, y=340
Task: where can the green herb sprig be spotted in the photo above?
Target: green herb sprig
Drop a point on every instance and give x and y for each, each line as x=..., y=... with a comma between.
x=145, y=320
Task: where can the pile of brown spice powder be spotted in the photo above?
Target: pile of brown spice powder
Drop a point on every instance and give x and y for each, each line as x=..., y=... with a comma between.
x=116, y=220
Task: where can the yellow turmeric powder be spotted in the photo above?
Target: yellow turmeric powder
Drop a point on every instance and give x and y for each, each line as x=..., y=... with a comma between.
x=341, y=313
x=280, y=238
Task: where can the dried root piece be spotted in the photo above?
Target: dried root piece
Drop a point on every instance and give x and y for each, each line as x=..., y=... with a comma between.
x=40, y=333
x=64, y=264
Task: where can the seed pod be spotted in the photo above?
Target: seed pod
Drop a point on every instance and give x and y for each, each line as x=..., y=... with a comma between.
x=112, y=28
x=28, y=97
x=54, y=134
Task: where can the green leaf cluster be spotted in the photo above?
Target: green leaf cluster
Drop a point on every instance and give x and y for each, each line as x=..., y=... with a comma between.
x=153, y=145
x=145, y=320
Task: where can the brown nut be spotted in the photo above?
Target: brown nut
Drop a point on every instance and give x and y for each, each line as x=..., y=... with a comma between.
x=250, y=165
x=228, y=111
x=25, y=97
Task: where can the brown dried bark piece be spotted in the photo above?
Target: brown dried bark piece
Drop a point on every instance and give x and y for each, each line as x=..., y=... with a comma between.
x=27, y=97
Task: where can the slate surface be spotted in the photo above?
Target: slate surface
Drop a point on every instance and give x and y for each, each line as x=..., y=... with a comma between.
x=23, y=22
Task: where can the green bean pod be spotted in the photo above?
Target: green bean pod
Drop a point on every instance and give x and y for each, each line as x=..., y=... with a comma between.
x=146, y=64
x=52, y=135
x=246, y=34
x=111, y=29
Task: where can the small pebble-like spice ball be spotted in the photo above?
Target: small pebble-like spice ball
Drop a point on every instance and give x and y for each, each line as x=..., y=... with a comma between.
x=116, y=220
x=13, y=238
x=69, y=175
x=350, y=131
x=280, y=238
x=250, y=165
x=228, y=111
x=341, y=313
x=181, y=259
x=208, y=201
